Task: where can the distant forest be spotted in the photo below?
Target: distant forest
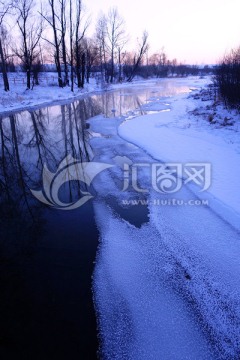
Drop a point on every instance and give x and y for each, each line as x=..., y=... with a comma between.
x=52, y=35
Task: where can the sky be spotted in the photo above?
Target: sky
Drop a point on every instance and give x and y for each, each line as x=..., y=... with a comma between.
x=193, y=31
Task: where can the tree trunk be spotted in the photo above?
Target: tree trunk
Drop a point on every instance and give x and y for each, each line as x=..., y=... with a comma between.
x=66, y=81
x=78, y=72
x=64, y=52
x=71, y=47
x=28, y=79
x=4, y=69
x=77, y=45
x=112, y=67
x=83, y=68
x=120, y=66
x=57, y=57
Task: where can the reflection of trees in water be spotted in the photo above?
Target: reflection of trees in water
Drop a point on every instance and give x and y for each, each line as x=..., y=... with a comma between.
x=32, y=138
x=28, y=140
x=118, y=102
x=74, y=133
x=39, y=137
x=20, y=218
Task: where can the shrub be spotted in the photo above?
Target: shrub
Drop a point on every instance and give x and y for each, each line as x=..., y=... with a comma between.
x=228, y=78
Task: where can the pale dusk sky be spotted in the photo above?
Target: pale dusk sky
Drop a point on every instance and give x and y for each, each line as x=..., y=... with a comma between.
x=193, y=31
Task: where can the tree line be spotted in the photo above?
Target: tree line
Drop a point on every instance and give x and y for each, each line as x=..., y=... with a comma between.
x=228, y=78
x=56, y=31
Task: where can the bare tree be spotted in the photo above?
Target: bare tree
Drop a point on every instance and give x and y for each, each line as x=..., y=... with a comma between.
x=160, y=63
x=81, y=27
x=53, y=21
x=4, y=9
x=71, y=44
x=30, y=28
x=59, y=24
x=101, y=33
x=142, y=49
x=37, y=67
x=173, y=66
x=115, y=35
x=227, y=78
x=92, y=55
x=63, y=26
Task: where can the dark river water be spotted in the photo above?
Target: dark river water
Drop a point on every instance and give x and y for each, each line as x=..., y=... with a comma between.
x=46, y=254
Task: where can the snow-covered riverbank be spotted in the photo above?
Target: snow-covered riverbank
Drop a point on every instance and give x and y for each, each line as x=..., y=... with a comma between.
x=19, y=98
x=186, y=135
x=182, y=266
x=47, y=93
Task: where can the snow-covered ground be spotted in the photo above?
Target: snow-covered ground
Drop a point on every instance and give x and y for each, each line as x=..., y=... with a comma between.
x=19, y=98
x=169, y=289
x=185, y=135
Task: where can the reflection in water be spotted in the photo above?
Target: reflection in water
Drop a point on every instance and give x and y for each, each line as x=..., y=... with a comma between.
x=42, y=253
x=46, y=256
x=130, y=99
x=30, y=139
